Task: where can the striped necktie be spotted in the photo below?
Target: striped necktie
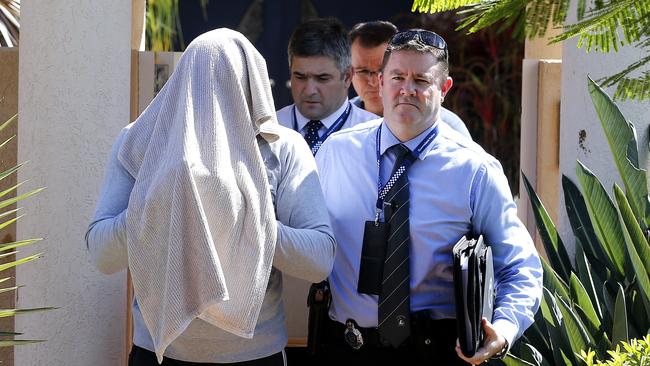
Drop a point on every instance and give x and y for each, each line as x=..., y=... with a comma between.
x=394, y=298
x=311, y=132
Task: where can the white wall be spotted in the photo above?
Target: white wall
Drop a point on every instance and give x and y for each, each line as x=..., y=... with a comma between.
x=578, y=113
x=74, y=85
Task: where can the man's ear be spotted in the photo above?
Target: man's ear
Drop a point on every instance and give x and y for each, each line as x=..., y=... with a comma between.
x=347, y=77
x=446, y=86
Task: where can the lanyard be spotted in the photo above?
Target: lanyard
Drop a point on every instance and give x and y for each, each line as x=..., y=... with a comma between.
x=333, y=128
x=382, y=191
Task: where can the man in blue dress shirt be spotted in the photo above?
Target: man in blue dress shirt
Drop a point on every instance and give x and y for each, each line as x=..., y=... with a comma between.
x=453, y=188
x=319, y=62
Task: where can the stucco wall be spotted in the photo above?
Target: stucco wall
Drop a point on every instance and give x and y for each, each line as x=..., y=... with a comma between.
x=73, y=99
x=578, y=114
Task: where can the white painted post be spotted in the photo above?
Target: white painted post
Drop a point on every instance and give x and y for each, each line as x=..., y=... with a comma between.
x=74, y=90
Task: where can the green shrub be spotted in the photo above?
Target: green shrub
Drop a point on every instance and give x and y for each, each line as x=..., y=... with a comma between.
x=601, y=296
x=635, y=353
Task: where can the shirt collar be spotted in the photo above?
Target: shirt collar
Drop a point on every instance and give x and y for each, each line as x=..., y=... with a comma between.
x=327, y=121
x=388, y=139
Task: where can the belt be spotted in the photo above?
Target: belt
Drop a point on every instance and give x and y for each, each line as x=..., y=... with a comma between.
x=424, y=330
x=354, y=335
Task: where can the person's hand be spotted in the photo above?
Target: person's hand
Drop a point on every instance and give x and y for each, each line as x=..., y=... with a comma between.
x=492, y=344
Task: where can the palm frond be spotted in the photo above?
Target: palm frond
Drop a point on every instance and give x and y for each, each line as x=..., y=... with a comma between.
x=600, y=30
x=432, y=6
x=633, y=88
x=9, y=23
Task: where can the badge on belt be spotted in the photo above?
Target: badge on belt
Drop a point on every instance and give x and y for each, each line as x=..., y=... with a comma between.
x=352, y=335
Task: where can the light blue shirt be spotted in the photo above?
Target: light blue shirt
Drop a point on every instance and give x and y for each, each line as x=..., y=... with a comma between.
x=455, y=188
x=357, y=116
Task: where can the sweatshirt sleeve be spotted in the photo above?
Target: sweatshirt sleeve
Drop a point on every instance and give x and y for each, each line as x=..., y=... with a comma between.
x=305, y=246
x=106, y=234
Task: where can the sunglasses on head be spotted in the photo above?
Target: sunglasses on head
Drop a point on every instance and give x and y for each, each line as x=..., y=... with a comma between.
x=420, y=35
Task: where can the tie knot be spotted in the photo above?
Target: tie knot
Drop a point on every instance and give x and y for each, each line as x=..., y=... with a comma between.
x=401, y=151
x=314, y=124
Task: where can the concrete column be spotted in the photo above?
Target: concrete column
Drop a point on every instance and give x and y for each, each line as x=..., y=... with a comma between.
x=74, y=93
x=534, y=118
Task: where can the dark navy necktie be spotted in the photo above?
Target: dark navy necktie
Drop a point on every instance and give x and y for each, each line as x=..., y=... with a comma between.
x=311, y=132
x=394, y=298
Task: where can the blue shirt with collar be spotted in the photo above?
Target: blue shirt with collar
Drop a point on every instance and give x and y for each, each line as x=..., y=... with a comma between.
x=357, y=116
x=455, y=188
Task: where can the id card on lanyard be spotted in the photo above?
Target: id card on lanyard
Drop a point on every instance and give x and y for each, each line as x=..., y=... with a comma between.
x=375, y=234
x=333, y=128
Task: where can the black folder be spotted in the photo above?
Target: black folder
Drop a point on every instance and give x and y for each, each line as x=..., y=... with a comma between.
x=474, y=291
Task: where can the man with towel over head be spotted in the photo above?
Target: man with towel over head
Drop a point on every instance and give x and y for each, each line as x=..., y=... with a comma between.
x=207, y=201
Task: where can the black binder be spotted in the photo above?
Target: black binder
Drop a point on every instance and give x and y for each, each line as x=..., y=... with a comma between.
x=474, y=291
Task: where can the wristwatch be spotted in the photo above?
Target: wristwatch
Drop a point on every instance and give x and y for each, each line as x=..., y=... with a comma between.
x=503, y=352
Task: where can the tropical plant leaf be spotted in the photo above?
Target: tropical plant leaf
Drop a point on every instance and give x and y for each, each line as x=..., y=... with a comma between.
x=583, y=267
x=8, y=140
x=432, y=6
x=553, y=317
x=9, y=222
x=18, y=342
x=11, y=189
x=536, y=335
x=9, y=289
x=639, y=241
x=11, y=201
x=4, y=255
x=555, y=250
x=512, y=360
x=639, y=273
x=599, y=30
x=604, y=218
x=10, y=171
x=619, y=331
x=582, y=226
x=619, y=133
x=8, y=122
x=17, y=244
x=577, y=334
x=639, y=319
x=9, y=334
x=552, y=280
x=582, y=299
x=13, y=312
x=18, y=262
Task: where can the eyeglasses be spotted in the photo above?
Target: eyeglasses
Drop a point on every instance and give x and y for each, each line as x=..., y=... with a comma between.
x=419, y=35
x=365, y=73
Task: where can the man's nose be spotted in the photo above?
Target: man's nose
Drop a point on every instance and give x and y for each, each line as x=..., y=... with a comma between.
x=311, y=87
x=373, y=79
x=408, y=88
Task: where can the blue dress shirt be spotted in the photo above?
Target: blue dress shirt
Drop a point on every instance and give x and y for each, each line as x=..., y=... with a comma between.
x=455, y=188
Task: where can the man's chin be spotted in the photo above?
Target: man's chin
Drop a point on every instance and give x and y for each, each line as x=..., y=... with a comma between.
x=310, y=111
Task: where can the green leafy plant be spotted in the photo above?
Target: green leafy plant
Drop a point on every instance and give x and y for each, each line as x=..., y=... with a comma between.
x=634, y=353
x=9, y=250
x=163, y=25
x=603, y=26
x=600, y=297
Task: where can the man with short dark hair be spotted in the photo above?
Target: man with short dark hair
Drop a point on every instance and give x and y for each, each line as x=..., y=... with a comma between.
x=319, y=59
x=369, y=41
x=414, y=188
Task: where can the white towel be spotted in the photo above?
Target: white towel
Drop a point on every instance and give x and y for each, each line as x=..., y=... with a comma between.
x=201, y=230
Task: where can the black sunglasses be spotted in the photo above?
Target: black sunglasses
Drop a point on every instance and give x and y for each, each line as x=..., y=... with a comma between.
x=420, y=35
